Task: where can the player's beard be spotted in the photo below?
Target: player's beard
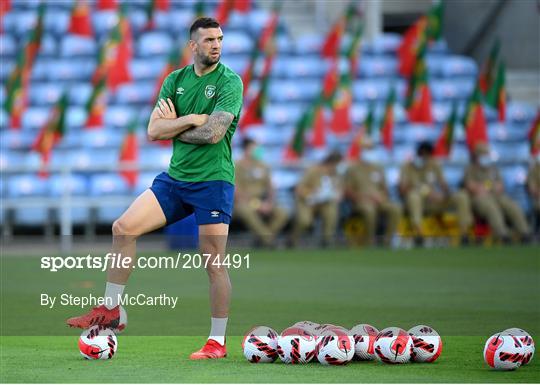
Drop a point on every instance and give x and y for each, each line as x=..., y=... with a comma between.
x=208, y=60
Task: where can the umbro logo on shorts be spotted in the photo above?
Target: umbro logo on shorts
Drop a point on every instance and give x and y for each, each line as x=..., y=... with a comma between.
x=214, y=214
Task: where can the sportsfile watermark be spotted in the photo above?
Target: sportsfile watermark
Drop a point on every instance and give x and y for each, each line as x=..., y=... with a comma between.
x=118, y=261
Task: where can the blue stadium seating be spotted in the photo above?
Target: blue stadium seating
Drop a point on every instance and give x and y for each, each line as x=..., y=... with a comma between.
x=453, y=176
x=293, y=91
x=377, y=89
x=136, y=93
x=73, y=46
x=103, y=22
x=456, y=88
x=35, y=117
x=108, y=184
x=267, y=135
x=156, y=157
x=101, y=138
x=75, y=184
x=75, y=117
x=238, y=63
x=455, y=65
x=176, y=22
x=45, y=94
x=6, y=68
x=305, y=67
x=282, y=114
x=20, y=22
x=147, y=68
x=155, y=43
x=309, y=44
x=56, y=21
x=71, y=69
x=237, y=43
x=144, y=181
x=521, y=112
x=8, y=46
x=16, y=139
x=378, y=66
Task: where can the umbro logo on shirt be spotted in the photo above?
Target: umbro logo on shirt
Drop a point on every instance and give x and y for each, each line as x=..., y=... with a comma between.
x=214, y=214
x=180, y=91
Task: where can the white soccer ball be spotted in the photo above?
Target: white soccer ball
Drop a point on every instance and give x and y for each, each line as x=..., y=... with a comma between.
x=427, y=344
x=309, y=326
x=98, y=343
x=503, y=352
x=335, y=347
x=364, y=337
x=260, y=344
x=296, y=346
x=393, y=345
x=527, y=342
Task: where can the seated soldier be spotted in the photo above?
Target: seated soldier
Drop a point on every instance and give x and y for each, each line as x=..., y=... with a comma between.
x=424, y=191
x=318, y=193
x=365, y=187
x=489, y=201
x=254, y=197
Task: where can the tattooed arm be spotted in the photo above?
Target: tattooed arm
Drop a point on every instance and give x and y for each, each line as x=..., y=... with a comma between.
x=211, y=132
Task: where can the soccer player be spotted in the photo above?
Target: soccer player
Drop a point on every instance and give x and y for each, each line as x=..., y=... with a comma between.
x=198, y=107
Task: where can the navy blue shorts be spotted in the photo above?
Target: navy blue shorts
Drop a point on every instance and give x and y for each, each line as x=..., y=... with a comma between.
x=212, y=202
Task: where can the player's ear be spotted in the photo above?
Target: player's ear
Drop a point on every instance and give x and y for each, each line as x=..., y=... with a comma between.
x=192, y=45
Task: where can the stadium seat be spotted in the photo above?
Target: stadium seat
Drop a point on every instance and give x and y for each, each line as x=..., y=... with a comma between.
x=79, y=93
x=119, y=116
x=35, y=117
x=6, y=69
x=306, y=67
x=74, y=184
x=48, y=46
x=446, y=90
x=136, y=93
x=441, y=111
x=147, y=68
x=521, y=113
x=137, y=19
x=257, y=19
x=151, y=44
x=20, y=22
x=155, y=157
x=238, y=63
x=439, y=47
x=101, y=138
x=45, y=94
x=56, y=21
x=511, y=152
x=376, y=89
x=392, y=181
x=176, y=21
x=416, y=133
x=285, y=44
x=294, y=91
x=459, y=153
x=26, y=185
x=144, y=181
x=93, y=159
x=285, y=178
x=453, y=176
x=385, y=43
x=309, y=44
x=71, y=69
x=378, y=66
x=103, y=22
x=267, y=135
x=16, y=139
x=8, y=46
x=75, y=117
x=282, y=114
x=108, y=184
x=40, y=69
x=455, y=65
x=10, y=159
x=73, y=46
x=237, y=43
x=404, y=152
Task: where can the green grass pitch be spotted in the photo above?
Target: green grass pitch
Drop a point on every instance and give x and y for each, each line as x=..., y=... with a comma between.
x=465, y=294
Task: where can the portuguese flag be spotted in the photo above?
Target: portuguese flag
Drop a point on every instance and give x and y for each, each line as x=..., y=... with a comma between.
x=129, y=154
x=330, y=82
x=17, y=92
x=223, y=10
x=151, y=8
x=318, y=139
x=435, y=21
x=488, y=69
x=95, y=107
x=51, y=133
x=366, y=130
x=534, y=135
x=296, y=147
x=387, y=124
x=407, y=52
x=353, y=51
x=418, y=101
x=119, y=72
x=255, y=108
x=443, y=146
x=341, y=105
x=80, y=22
x=475, y=121
x=496, y=96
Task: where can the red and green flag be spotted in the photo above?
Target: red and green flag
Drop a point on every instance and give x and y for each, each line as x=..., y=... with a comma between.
x=443, y=145
x=255, y=108
x=496, y=96
x=296, y=148
x=534, y=135
x=129, y=155
x=151, y=8
x=318, y=137
x=418, y=100
x=107, y=5
x=80, y=22
x=51, y=133
x=17, y=92
x=341, y=121
x=387, y=124
x=435, y=21
x=330, y=82
x=474, y=121
x=96, y=105
x=223, y=10
x=332, y=43
x=408, y=50
x=366, y=130
x=487, y=73
x=353, y=51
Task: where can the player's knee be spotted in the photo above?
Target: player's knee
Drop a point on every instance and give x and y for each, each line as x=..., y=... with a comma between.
x=121, y=227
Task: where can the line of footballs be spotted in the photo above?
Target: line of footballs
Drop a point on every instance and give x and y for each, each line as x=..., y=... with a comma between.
x=335, y=345
x=510, y=349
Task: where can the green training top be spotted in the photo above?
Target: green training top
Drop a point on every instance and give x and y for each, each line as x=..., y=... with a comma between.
x=219, y=90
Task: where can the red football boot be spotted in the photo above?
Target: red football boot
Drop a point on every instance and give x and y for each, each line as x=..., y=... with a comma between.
x=212, y=349
x=97, y=316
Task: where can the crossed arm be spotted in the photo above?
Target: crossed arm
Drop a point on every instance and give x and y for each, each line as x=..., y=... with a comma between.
x=193, y=128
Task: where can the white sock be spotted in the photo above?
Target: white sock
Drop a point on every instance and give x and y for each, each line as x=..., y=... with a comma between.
x=217, y=331
x=112, y=293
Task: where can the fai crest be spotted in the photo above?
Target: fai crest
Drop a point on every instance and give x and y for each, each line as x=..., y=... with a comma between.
x=210, y=91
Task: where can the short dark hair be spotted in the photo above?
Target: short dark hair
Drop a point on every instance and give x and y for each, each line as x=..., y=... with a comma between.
x=203, y=22
x=424, y=148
